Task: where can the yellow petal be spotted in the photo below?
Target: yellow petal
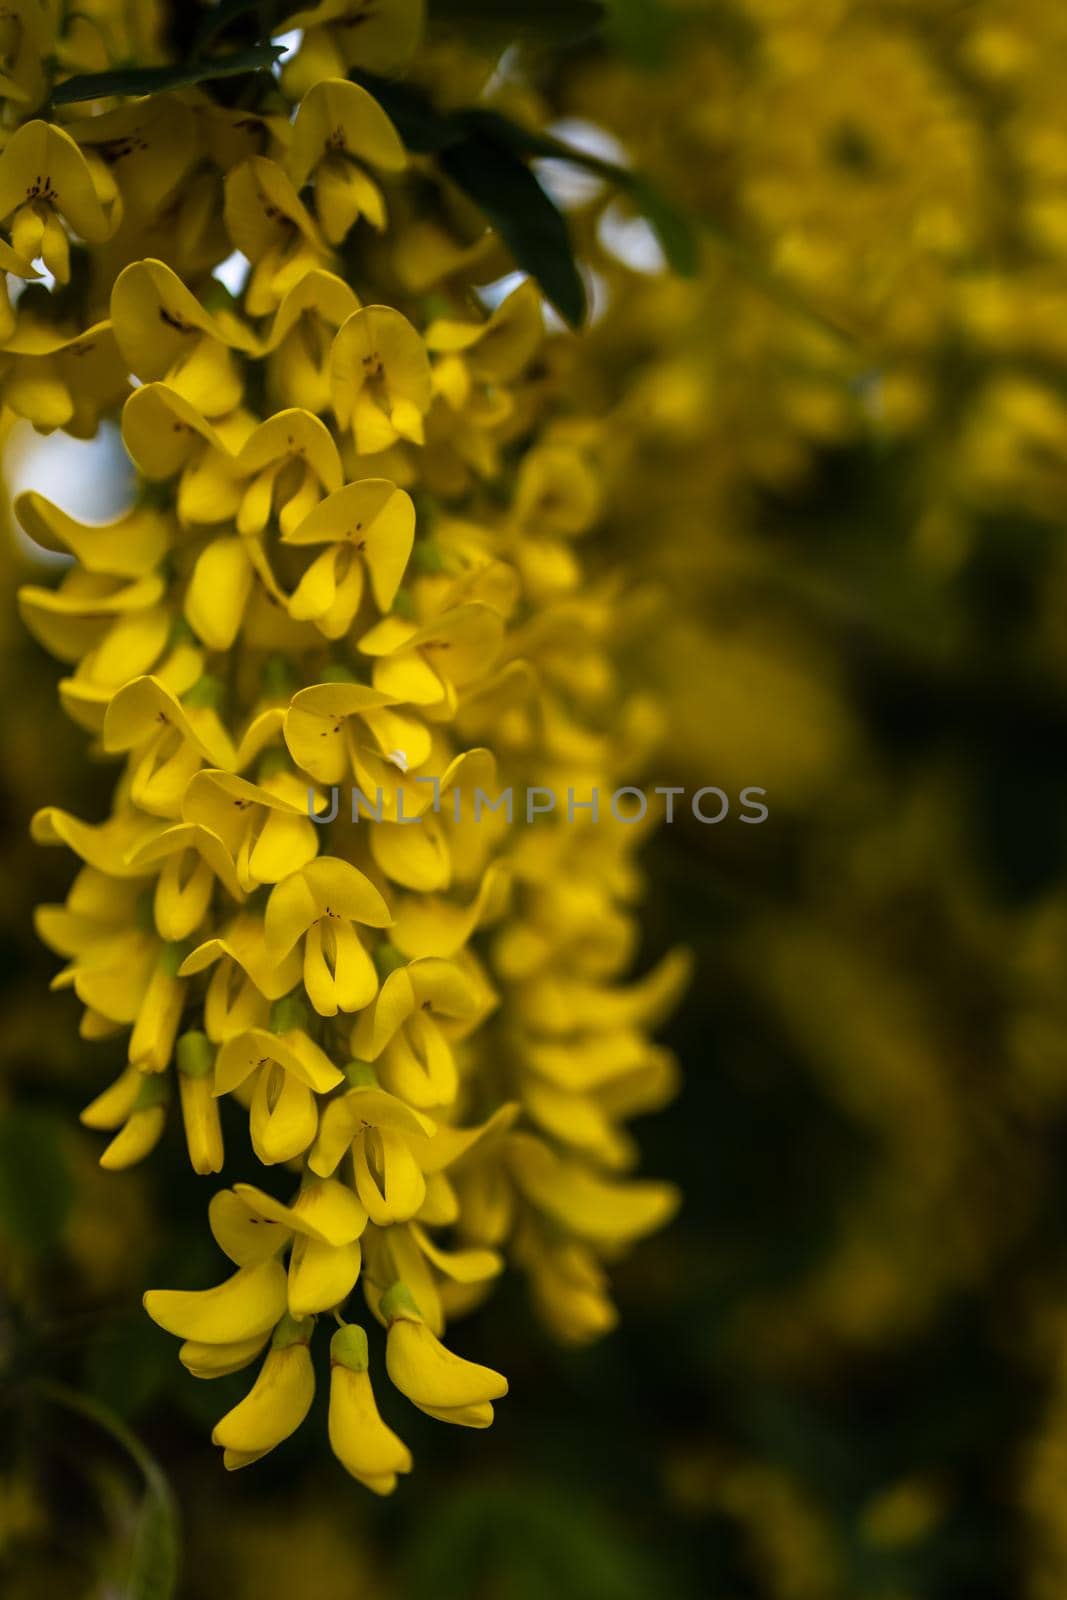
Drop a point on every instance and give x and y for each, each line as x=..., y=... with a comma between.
x=276, y=1405
x=38, y=153
x=247, y=1304
x=321, y=1276
x=327, y=1211
x=133, y=1142
x=218, y=592
x=242, y=1230
x=220, y=1360
x=594, y=1208
x=363, y=1444
x=389, y=1181
x=203, y=1130
x=283, y=1117
x=427, y=1373
x=340, y=116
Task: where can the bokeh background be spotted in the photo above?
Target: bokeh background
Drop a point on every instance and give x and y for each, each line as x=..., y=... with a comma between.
x=834, y=460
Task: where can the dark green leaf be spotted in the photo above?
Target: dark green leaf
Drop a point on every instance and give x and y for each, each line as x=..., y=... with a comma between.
x=552, y=22
x=675, y=232
x=515, y=135
x=422, y=127
x=644, y=30
x=265, y=16
x=519, y=209
x=153, y=80
x=36, y=1189
x=152, y=1570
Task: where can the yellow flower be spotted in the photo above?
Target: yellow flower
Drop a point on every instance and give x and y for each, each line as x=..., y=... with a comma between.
x=115, y=618
x=301, y=338
x=437, y=1381
x=166, y=336
x=379, y=1131
x=204, y=1360
x=194, y=860
x=136, y=1107
x=328, y=728
x=323, y=1226
x=360, y=1440
x=28, y=39
x=445, y=1281
x=596, y=1209
x=380, y=380
x=57, y=377
x=46, y=181
x=149, y=145
x=249, y=1303
x=167, y=436
x=168, y=740
x=320, y=905
x=369, y=525
x=406, y=1028
x=278, y=1401
x=378, y=35
x=287, y=1070
x=339, y=130
x=268, y=222
x=200, y=1111
x=292, y=461
x=264, y=827
x=245, y=980
x=425, y=666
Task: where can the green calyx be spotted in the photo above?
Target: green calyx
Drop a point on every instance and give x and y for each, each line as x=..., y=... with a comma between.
x=360, y=1075
x=348, y=1348
x=427, y=556
x=292, y=1331
x=337, y=672
x=145, y=911
x=207, y=693
x=153, y=1092
x=288, y=1013
x=181, y=633
x=398, y=1305
x=279, y=681
x=271, y=762
x=173, y=955
x=387, y=958
x=196, y=1054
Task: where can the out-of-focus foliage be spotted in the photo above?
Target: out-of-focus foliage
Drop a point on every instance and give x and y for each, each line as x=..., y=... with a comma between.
x=838, y=452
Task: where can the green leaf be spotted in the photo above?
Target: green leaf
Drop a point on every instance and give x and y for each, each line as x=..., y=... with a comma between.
x=423, y=128
x=510, y=195
x=677, y=233
x=267, y=16
x=674, y=230
x=152, y=1570
x=505, y=189
x=551, y=22
x=153, y=80
x=644, y=30
x=36, y=1188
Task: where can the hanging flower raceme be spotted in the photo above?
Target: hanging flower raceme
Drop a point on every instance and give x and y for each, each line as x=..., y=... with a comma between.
x=346, y=607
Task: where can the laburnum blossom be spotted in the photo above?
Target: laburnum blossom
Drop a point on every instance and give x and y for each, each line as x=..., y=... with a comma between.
x=343, y=625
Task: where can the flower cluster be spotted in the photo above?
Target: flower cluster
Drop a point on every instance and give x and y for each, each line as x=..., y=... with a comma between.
x=352, y=559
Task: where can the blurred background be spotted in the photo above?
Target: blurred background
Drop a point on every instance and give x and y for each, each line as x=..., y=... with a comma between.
x=835, y=468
